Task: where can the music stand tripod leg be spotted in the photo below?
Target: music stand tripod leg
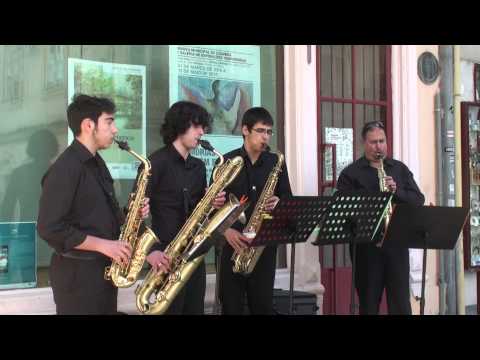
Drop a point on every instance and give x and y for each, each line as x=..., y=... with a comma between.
x=422, y=299
x=292, y=276
x=352, y=295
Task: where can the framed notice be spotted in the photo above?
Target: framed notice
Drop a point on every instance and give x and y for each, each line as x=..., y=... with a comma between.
x=125, y=85
x=225, y=80
x=18, y=258
x=343, y=140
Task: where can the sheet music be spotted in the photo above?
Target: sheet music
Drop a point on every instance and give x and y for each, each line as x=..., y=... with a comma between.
x=343, y=139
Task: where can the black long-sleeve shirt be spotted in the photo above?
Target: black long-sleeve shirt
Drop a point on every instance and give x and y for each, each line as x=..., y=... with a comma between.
x=175, y=187
x=361, y=176
x=252, y=178
x=77, y=200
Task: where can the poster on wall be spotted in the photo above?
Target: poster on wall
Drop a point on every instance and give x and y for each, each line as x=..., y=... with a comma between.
x=225, y=80
x=343, y=140
x=18, y=266
x=125, y=85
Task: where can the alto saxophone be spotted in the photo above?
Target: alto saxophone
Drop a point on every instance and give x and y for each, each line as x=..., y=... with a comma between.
x=125, y=275
x=384, y=188
x=244, y=261
x=159, y=289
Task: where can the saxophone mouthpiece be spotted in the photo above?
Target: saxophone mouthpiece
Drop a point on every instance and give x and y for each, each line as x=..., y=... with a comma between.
x=206, y=145
x=122, y=144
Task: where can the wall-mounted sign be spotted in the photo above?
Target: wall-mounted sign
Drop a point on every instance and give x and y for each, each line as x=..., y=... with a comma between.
x=18, y=267
x=428, y=68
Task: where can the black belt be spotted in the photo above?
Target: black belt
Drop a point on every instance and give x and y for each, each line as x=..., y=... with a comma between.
x=81, y=255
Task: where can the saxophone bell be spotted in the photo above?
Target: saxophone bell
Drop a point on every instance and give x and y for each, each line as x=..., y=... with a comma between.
x=207, y=146
x=242, y=218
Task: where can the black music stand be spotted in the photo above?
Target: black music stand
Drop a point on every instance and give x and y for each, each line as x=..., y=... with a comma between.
x=353, y=217
x=425, y=227
x=293, y=220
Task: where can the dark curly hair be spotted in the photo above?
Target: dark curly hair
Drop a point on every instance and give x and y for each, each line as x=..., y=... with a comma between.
x=180, y=117
x=85, y=106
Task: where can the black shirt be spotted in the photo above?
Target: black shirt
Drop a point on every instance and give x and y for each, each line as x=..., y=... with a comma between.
x=361, y=176
x=252, y=178
x=77, y=200
x=175, y=187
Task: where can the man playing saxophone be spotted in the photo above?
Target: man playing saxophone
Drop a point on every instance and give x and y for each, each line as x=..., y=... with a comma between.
x=177, y=184
x=79, y=215
x=256, y=287
x=378, y=268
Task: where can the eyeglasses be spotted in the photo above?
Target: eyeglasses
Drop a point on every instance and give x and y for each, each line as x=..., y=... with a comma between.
x=374, y=124
x=264, y=131
x=370, y=126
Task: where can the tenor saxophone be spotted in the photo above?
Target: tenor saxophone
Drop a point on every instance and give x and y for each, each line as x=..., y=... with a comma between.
x=245, y=260
x=125, y=275
x=158, y=290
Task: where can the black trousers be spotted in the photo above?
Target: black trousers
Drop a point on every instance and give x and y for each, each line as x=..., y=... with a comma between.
x=257, y=288
x=191, y=299
x=378, y=269
x=79, y=287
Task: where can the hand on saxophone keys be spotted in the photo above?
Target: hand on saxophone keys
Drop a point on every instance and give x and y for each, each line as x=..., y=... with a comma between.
x=236, y=240
x=271, y=203
x=391, y=184
x=159, y=261
x=119, y=251
x=145, y=210
x=219, y=200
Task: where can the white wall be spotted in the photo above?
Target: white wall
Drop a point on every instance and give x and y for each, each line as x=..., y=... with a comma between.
x=301, y=154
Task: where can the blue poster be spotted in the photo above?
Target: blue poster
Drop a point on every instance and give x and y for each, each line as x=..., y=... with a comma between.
x=18, y=255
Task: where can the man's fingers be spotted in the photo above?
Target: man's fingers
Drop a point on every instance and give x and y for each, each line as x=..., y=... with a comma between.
x=121, y=258
x=244, y=238
x=126, y=245
x=126, y=250
x=240, y=241
x=235, y=244
x=164, y=263
x=236, y=247
x=163, y=268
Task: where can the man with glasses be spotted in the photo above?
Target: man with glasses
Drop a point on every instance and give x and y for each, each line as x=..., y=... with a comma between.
x=376, y=267
x=257, y=287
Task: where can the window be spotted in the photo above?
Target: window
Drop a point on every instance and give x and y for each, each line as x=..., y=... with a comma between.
x=353, y=88
x=54, y=67
x=13, y=71
x=34, y=132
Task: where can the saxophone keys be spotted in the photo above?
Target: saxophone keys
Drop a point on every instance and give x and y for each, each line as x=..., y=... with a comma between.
x=161, y=296
x=266, y=216
x=107, y=276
